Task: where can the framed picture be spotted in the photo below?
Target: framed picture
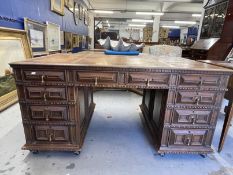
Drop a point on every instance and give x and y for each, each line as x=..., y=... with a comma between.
x=62, y=39
x=53, y=40
x=80, y=12
x=37, y=36
x=76, y=12
x=75, y=40
x=14, y=47
x=68, y=41
x=70, y=5
x=85, y=17
x=230, y=56
x=57, y=6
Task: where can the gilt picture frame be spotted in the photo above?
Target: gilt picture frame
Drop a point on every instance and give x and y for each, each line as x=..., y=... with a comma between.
x=53, y=39
x=69, y=4
x=57, y=6
x=76, y=13
x=37, y=35
x=14, y=46
x=62, y=40
x=75, y=40
x=68, y=41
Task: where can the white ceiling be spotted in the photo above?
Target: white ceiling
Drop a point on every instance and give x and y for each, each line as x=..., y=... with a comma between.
x=126, y=9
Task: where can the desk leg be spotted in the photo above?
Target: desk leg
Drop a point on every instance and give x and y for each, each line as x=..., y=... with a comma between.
x=226, y=125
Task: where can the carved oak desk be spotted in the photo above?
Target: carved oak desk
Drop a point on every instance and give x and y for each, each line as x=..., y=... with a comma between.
x=180, y=105
x=228, y=96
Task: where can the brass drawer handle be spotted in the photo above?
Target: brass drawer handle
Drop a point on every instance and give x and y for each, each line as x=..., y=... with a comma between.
x=148, y=83
x=193, y=119
x=196, y=100
x=42, y=79
x=188, y=141
x=50, y=137
x=96, y=81
x=45, y=99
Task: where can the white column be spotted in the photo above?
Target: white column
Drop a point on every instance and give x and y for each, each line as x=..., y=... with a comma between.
x=155, y=35
x=202, y=17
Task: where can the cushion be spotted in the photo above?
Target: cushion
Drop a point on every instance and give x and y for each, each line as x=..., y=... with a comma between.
x=111, y=52
x=115, y=45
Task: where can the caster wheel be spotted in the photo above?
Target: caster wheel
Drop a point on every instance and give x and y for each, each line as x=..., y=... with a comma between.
x=162, y=154
x=203, y=155
x=34, y=152
x=77, y=153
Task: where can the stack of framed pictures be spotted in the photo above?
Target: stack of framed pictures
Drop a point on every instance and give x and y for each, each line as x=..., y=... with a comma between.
x=14, y=47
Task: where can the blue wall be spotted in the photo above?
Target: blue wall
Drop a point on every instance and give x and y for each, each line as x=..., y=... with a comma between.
x=38, y=10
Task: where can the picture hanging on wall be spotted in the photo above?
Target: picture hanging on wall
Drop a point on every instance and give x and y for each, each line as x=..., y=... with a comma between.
x=37, y=36
x=85, y=17
x=62, y=39
x=68, y=41
x=75, y=40
x=57, y=6
x=70, y=5
x=76, y=13
x=14, y=47
x=53, y=41
x=80, y=12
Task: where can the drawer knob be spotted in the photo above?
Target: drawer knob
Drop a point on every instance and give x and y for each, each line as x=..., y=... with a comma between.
x=50, y=137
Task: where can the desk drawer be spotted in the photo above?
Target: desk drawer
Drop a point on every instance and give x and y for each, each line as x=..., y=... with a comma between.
x=191, y=80
x=97, y=77
x=196, y=98
x=189, y=137
x=48, y=113
x=191, y=117
x=148, y=79
x=44, y=76
x=51, y=134
x=45, y=93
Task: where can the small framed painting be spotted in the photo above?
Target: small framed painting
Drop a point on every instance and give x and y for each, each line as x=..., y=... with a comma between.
x=76, y=12
x=70, y=5
x=57, y=6
x=80, y=12
x=62, y=39
x=37, y=35
x=84, y=42
x=68, y=41
x=85, y=17
x=75, y=41
x=53, y=40
x=14, y=47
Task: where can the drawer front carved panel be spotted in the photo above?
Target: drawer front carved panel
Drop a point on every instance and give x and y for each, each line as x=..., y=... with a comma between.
x=48, y=113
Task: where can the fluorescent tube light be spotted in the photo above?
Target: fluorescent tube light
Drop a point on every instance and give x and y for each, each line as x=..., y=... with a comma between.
x=142, y=20
x=171, y=27
x=185, y=22
x=137, y=25
x=150, y=13
x=103, y=11
x=196, y=15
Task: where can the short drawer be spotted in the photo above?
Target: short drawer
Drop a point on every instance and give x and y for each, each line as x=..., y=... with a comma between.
x=148, y=79
x=44, y=76
x=190, y=80
x=189, y=137
x=191, y=117
x=197, y=98
x=97, y=78
x=48, y=113
x=51, y=134
x=45, y=93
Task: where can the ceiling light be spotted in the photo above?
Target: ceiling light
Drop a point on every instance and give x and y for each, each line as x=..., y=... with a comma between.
x=171, y=27
x=185, y=22
x=137, y=25
x=103, y=11
x=142, y=20
x=150, y=13
x=196, y=15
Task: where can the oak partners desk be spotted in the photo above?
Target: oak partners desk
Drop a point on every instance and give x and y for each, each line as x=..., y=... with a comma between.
x=180, y=105
x=228, y=96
